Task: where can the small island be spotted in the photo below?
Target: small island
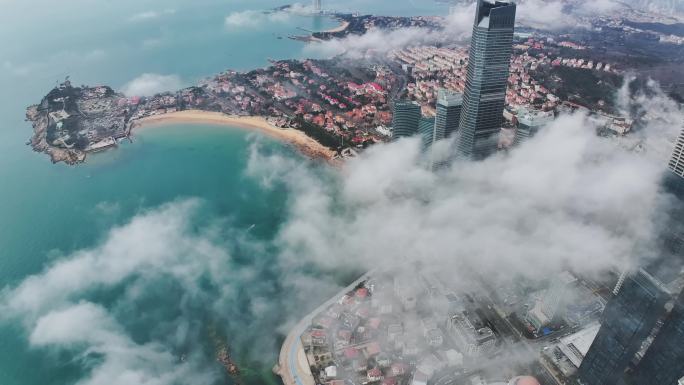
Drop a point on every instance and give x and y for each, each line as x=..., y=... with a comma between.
x=307, y=103
x=72, y=122
x=309, y=97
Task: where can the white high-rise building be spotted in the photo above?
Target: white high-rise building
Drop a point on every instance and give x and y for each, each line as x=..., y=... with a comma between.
x=317, y=5
x=676, y=164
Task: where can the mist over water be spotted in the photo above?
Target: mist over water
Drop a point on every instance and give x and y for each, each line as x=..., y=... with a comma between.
x=113, y=271
x=100, y=273
x=194, y=176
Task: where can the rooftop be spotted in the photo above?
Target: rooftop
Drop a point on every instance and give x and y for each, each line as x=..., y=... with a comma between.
x=575, y=346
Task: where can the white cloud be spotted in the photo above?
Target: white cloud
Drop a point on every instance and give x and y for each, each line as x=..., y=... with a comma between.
x=459, y=22
x=544, y=14
x=565, y=199
x=122, y=361
x=141, y=244
x=662, y=115
x=151, y=15
x=560, y=14
x=149, y=84
x=301, y=9
x=77, y=324
x=159, y=257
x=173, y=258
x=457, y=28
x=252, y=18
x=593, y=7
x=373, y=42
x=256, y=18
x=499, y=217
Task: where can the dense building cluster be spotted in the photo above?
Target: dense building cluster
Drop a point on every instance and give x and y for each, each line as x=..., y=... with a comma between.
x=387, y=331
x=529, y=102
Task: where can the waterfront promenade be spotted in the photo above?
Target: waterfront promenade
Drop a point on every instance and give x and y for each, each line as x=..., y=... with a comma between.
x=293, y=367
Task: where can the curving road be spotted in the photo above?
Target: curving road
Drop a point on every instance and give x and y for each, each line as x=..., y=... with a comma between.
x=293, y=367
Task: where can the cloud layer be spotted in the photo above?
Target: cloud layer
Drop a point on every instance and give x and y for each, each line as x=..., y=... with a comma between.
x=499, y=217
x=151, y=15
x=149, y=84
x=171, y=283
x=457, y=28
x=254, y=18
x=158, y=287
x=458, y=24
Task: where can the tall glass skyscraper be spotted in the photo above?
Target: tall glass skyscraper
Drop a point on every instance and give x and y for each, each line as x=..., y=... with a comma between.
x=486, y=80
x=675, y=179
x=449, y=105
x=676, y=163
x=670, y=259
x=629, y=318
x=663, y=362
x=426, y=128
x=405, y=119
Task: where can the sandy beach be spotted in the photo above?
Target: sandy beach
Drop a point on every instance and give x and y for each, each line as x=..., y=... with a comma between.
x=305, y=144
x=342, y=27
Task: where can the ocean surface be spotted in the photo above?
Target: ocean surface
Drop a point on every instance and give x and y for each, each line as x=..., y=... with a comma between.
x=51, y=212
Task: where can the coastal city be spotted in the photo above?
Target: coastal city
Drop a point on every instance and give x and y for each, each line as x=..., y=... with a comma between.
x=417, y=325
x=346, y=104
x=392, y=331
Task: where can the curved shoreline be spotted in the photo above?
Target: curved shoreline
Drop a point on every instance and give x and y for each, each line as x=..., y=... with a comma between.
x=300, y=140
x=342, y=27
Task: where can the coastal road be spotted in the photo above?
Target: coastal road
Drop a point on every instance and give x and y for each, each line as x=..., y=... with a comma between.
x=293, y=367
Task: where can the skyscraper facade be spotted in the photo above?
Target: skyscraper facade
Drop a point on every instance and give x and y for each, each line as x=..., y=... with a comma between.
x=675, y=180
x=486, y=79
x=663, y=362
x=449, y=105
x=529, y=123
x=629, y=318
x=317, y=5
x=405, y=119
x=676, y=163
x=426, y=128
x=670, y=220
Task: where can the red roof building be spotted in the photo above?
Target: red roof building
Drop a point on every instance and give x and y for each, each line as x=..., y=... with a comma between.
x=374, y=374
x=351, y=353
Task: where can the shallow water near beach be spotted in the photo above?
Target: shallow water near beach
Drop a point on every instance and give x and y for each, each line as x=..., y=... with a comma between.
x=50, y=212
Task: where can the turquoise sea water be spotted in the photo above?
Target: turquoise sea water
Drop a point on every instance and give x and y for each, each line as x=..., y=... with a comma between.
x=50, y=211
